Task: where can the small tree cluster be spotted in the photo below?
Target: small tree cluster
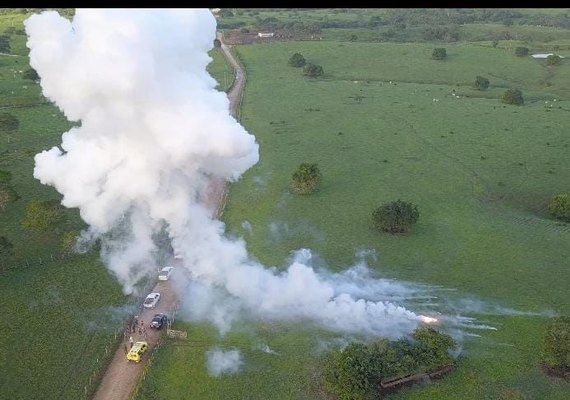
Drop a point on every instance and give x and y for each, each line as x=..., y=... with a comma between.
x=8, y=122
x=481, y=83
x=553, y=59
x=42, y=215
x=559, y=207
x=7, y=192
x=556, y=350
x=439, y=53
x=306, y=178
x=353, y=373
x=313, y=70
x=513, y=96
x=395, y=217
x=217, y=43
x=31, y=74
x=297, y=60
x=521, y=51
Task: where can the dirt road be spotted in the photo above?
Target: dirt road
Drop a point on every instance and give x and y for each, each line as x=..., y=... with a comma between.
x=121, y=375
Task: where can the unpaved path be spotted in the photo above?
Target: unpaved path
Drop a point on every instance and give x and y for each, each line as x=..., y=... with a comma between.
x=121, y=375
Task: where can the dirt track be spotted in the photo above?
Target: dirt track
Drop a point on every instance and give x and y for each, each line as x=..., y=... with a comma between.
x=121, y=375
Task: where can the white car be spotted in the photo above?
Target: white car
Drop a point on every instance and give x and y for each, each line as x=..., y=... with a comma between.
x=151, y=300
x=165, y=273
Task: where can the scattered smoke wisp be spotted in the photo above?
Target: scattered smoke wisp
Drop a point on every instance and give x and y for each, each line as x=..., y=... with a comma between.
x=151, y=133
x=220, y=362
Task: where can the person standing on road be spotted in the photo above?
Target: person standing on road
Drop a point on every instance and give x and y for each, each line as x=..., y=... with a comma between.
x=131, y=341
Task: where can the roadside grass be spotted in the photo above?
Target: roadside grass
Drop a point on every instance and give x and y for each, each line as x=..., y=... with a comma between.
x=58, y=318
x=279, y=362
x=220, y=70
x=56, y=312
x=480, y=171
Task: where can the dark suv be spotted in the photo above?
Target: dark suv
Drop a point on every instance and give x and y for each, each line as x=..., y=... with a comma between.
x=158, y=321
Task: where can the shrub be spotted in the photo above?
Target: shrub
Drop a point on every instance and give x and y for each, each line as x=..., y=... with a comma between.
x=313, y=70
x=559, y=207
x=521, y=51
x=556, y=350
x=31, y=74
x=553, y=59
x=439, y=53
x=395, y=217
x=42, y=215
x=513, y=96
x=8, y=122
x=217, y=43
x=481, y=83
x=297, y=60
x=306, y=178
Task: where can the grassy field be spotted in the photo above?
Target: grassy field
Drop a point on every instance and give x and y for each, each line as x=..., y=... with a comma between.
x=481, y=173
x=221, y=70
x=57, y=312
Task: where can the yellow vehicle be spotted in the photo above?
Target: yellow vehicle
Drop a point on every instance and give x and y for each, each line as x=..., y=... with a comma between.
x=137, y=351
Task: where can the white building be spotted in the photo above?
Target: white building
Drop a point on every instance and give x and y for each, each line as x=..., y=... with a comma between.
x=265, y=34
x=543, y=55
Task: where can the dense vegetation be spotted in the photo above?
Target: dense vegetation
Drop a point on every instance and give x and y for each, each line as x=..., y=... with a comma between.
x=354, y=372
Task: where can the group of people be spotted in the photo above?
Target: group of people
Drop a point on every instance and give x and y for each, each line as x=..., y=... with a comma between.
x=137, y=325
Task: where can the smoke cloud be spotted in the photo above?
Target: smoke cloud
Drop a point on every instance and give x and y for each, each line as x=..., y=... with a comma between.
x=220, y=362
x=151, y=133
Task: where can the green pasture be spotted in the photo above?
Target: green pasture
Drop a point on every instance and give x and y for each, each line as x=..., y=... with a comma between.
x=58, y=312
x=481, y=173
x=221, y=70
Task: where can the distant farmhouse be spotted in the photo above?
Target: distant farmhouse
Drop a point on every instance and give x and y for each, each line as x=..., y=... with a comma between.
x=266, y=34
x=543, y=55
x=216, y=11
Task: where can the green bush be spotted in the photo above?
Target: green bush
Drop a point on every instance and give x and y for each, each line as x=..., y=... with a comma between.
x=556, y=350
x=513, y=96
x=306, y=178
x=559, y=207
x=395, y=217
x=553, y=59
x=481, y=83
x=297, y=60
x=313, y=70
x=521, y=51
x=439, y=53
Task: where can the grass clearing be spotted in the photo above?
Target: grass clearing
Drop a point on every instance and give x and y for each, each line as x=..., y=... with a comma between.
x=481, y=173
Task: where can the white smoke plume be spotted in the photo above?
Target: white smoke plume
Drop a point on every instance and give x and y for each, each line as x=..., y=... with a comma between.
x=220, y=362
x=152, y=133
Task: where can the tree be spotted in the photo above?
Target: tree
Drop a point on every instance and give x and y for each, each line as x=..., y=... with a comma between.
x=9, y=122
x=556, y=350
x=41, y=215
x=68, y=242
x=439, y=53
x=7, y=196
x=297, y=60
x=31, y=74
x=217, y=43
x=521, y=51
x=553, y=59
x=395, y=217
x=5, y=44
x=349, y=373
x=6, y=251
x=513, y=96
x=313, y=70
x=481, y=83
x=306, y=178
x=432, y=347
x=559, y=207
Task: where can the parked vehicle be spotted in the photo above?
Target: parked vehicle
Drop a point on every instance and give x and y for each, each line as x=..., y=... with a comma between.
x=158, y=321
x=151, y=300
x=165, y=273
x=136, y=352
